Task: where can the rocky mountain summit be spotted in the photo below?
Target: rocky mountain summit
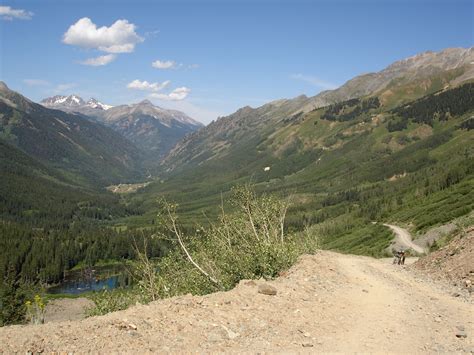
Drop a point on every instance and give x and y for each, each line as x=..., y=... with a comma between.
x=75, y=103
x=458, y=63
x=153, y=129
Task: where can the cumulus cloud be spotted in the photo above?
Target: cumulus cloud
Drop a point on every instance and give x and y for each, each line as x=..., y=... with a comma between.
x=314, y=81
x=146, y=86
x=100, y=60
x=7, y=13
x=120, y=37
x=36, y=82
x=177, y=94
x=167, y=64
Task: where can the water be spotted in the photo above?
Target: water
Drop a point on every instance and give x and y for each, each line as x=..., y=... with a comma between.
x=78, y=286
x=81, y=281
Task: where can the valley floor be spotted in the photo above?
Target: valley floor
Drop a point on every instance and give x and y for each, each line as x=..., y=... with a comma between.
x=328, y=302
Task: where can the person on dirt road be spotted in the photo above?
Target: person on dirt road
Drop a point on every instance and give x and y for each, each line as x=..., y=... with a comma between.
x=401, y=257
x=396, y=257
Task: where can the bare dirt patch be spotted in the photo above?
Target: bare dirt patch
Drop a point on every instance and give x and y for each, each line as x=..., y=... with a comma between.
x=67, y=309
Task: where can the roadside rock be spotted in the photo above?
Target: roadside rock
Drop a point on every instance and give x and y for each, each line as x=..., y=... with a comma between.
x=461, y=334
x=267, y=290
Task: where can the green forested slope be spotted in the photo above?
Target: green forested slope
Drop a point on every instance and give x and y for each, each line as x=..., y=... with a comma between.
x=346, y=165
x=82, y=150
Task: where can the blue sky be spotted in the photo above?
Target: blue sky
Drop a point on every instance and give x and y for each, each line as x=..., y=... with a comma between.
x=223, y=54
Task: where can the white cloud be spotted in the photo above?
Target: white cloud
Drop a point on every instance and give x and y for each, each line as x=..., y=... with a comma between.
x=7, y=13
x=61, y=88
x=314, y=81
x=99, y=61
x=177, y=94
x=167, y=64
x=146, y=86
x=36, y=82
x=120, y=37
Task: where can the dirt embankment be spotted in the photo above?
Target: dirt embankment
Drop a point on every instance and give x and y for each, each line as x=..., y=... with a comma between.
x=328, y=302
x=453, y=262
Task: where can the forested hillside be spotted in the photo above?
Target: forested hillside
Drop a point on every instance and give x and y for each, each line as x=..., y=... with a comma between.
x=54, y=210
x=345, y=165
x=80, y=149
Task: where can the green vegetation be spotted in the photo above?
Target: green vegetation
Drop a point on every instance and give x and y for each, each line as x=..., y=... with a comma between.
x=362, y=238
x=249, y=243
x=345, y=166
x=440, y=106
x=354, y=171
x=31, y=259
x=350, y=109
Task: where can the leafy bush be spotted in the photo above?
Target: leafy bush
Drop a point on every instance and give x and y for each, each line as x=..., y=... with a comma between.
x=249, y=243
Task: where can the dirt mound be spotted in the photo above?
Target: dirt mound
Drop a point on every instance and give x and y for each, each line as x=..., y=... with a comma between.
x=453, y=262
x=328, y=302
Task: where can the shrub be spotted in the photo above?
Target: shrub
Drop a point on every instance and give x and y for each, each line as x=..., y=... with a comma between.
x=251, y=242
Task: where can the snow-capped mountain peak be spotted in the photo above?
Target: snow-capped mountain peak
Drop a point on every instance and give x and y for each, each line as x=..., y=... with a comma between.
x=73, y=102
x=94, y=103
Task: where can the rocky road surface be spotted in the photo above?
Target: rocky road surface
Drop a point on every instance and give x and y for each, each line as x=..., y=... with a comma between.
x=327, y=302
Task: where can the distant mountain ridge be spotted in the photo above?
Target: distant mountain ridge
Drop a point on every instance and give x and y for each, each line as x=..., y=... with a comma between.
x=400, y=82
x=85, y=151
x=73, y=103
x=153, y=129
x=458, y=62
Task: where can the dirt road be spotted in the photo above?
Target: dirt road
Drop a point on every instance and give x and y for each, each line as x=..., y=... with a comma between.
x=328, y=302
x=404, y=239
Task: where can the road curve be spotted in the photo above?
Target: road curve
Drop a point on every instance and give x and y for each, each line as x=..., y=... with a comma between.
x=404, y=238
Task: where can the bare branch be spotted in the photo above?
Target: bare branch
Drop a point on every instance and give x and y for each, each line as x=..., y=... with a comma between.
x=177, y=233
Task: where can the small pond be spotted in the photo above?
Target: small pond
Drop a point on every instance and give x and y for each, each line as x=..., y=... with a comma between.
x=91, y=279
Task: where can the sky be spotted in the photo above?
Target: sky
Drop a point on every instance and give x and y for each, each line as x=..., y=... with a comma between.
x=209, y=58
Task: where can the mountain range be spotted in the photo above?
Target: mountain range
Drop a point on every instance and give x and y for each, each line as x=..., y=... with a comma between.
x=376, y=131
x=79, y=148
x=249, y=128
x=73, y=103
x=153, y=129
x=379, y=134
